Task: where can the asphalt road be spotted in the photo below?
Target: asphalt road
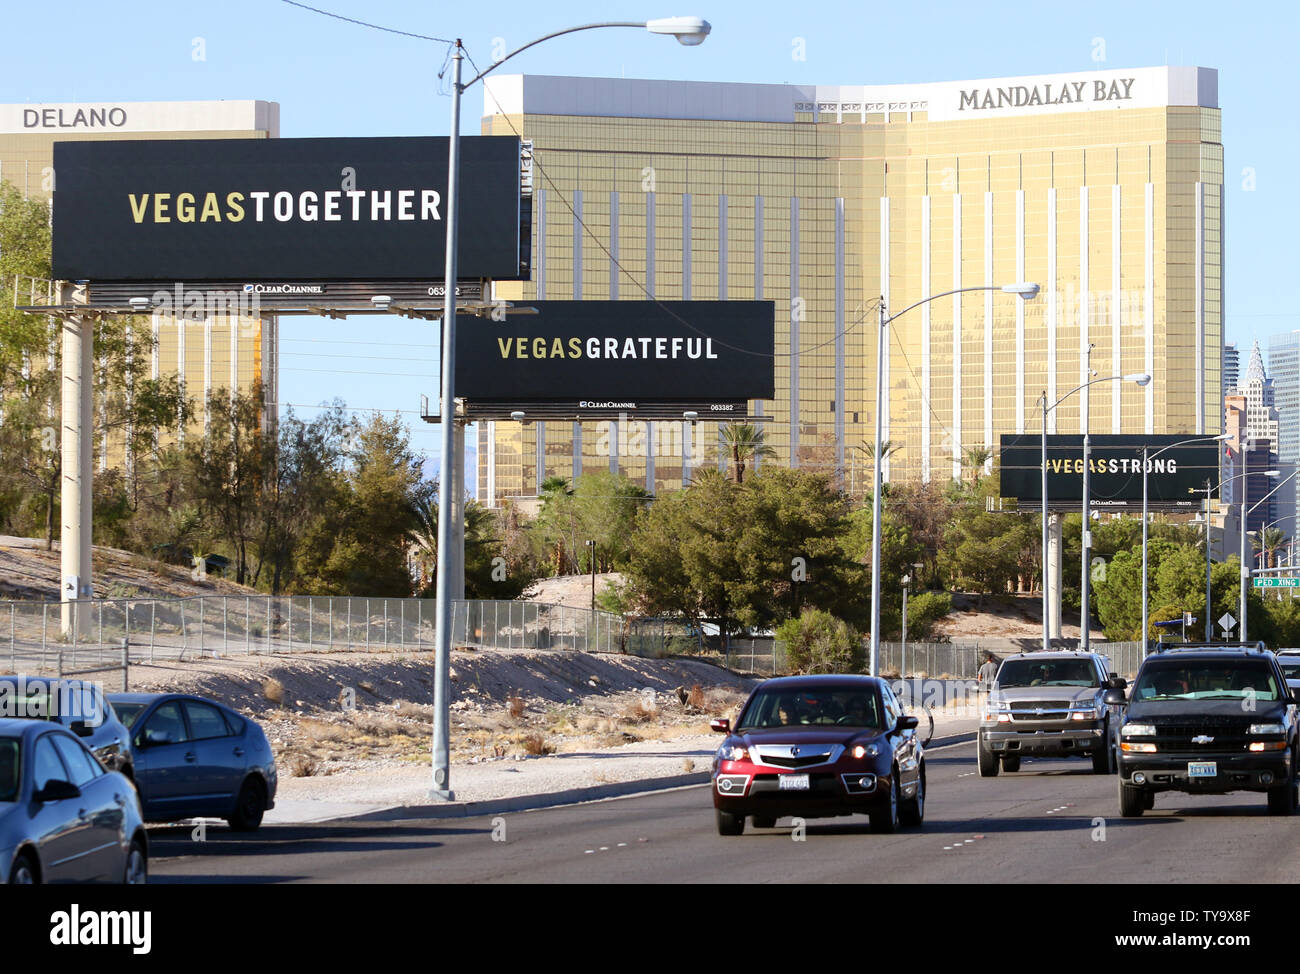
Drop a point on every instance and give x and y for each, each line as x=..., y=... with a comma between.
x=1052, y=822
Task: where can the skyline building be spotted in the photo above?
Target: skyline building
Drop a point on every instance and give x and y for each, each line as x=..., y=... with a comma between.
x=1105, y=187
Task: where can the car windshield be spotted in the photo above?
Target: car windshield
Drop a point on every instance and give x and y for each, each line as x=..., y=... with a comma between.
x=127, y=713
x=8, y=769
x=826, y=706
x=1290, y=668
x=1047, y=673
x=1206, y=680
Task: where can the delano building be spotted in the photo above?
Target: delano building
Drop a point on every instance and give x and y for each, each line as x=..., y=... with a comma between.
x=1105, y=187
x=223, y=351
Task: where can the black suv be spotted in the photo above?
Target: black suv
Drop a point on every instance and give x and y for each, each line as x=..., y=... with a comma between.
x=1207, y=719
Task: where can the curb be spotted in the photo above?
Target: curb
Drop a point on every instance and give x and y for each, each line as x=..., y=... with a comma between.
x=523, y=803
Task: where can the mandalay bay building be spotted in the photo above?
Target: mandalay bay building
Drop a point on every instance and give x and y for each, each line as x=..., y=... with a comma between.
x=1105, y=187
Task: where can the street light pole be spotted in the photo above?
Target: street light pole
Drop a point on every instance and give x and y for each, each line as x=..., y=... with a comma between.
x=1147, y=457
x=903, y=669
x=1025, y=292
x=1245, y=513
x=1141, y=378
x=688, y=31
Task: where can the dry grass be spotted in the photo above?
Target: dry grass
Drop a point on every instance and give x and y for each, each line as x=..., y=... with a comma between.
x=688, y=765
x=536, y=744
x=273, y=690
x=640, y=713
x=301, y=765
x=319, y=731
x=515, y=706
x=695, y=698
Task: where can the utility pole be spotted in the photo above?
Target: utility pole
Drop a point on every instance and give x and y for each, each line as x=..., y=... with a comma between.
x=77, y=474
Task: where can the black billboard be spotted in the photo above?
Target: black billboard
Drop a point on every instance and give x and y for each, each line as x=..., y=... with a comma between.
x=195, y=210
x=1175, y=479
x=620, y=355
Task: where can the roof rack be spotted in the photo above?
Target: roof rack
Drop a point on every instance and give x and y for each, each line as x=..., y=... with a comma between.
x=1225, y=647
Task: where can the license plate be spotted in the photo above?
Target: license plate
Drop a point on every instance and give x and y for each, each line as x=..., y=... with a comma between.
x=794, y=782
x=1202, y=769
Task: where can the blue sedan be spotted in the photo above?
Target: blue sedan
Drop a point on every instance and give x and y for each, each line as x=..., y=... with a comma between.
x=63, y=818
x=195, y=758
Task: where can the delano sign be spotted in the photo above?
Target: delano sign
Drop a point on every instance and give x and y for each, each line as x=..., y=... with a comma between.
x=284, y=210
x=648, y=359
x=1115, y=471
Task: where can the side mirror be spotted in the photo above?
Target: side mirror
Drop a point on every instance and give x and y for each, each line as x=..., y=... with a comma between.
x=907, y=723
x=56, y=791
x=80, y=728
x=1114, y=697
x=1117, y=682
x=720, y=724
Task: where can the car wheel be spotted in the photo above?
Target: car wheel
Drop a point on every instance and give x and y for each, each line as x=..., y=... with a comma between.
x=912, y=811
x=1011, y=762
x=24, y=871
x=137, y=865
x=729, y=824
x=1132, y=801
x=1281, y=800
x=988, y=761
x=248, y=807
x=1102, y=762
x=885, y=820
x=763, y=822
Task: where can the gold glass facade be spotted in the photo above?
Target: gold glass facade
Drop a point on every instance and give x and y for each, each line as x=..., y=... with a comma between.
x=221, y=352
x=1114, y=208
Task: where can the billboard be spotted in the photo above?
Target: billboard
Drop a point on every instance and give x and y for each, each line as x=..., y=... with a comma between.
x=284, y=210
x=1175, y=479
x=578, y=358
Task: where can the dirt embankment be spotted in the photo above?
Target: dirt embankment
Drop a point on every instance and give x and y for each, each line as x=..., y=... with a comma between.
x=30, y=573
x=340, y=712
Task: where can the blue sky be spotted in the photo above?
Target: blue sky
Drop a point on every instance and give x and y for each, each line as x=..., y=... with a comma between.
x=338, y=79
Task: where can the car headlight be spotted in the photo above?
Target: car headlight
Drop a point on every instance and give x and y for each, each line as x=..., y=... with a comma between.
x=1138, y=730
x=861, y=751
x=1272, y=727
x=1090, y=711
x=729, y=753
x=997, y=715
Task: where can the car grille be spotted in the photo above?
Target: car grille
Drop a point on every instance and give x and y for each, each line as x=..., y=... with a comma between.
x=783, y=756
x=799, y=762
x=1029, y=710
x=1229, y=735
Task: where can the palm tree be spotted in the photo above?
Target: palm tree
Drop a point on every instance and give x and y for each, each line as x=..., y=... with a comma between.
x=745, y=442
x=1272, y=541
x=976, y=458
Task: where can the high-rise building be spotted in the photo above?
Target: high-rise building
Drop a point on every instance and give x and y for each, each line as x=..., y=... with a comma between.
x=226, y=351
x=1103, y=186
x=1261, y=416
x=1231, y=367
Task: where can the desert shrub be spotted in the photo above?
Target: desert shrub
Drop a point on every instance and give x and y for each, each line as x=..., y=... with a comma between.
x=817, y=642
x=924, y=609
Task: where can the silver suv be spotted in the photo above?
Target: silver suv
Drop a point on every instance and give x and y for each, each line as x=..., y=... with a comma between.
x=1050, y=705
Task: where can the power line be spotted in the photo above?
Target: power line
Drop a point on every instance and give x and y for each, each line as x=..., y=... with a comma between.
x=362, y=23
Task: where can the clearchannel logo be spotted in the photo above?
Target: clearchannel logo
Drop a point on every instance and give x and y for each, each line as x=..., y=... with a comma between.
x=592, y=404
x=284, y=288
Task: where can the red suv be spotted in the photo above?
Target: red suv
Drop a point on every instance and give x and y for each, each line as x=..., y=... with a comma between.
x=819, y=746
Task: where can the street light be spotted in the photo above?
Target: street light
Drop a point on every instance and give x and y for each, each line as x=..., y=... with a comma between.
x=1209, y=631
x=1141, y=378
x=1025, y=291
x=1245, y=513
x=1146, y=460
x=689, y=31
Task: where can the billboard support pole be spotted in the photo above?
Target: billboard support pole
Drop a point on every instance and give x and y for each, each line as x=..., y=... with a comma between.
x=447, y=434
x=1047, y=640
x=77, y=478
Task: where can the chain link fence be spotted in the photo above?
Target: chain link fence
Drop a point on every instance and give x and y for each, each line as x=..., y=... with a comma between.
x=207, y=626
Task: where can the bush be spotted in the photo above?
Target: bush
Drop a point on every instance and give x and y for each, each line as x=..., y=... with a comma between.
x=924, y=609
x=817, y=642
